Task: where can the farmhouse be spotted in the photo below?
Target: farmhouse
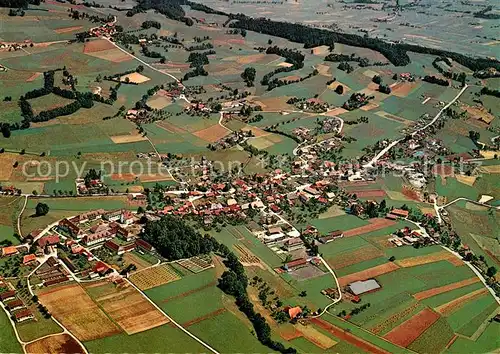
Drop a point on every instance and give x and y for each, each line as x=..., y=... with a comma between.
x=331, y=236
x=28, y=259
x=23, y=315
x=7, y=295
x=119, y=248
x=400, y=213
x=9, y=251
x=49, y=240
x=293, y=244
x=68, y=226
x=365, y=286
x=14, y=305
x=295, y=263
x=144, y=245
x=97, y=237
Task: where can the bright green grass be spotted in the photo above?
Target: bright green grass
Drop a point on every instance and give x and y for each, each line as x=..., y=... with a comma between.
x=434, y=339
x=228, y=334
x=180, y=286
x=342, y=222
x=488, y=341
x=448, y=296
x=468, y=312
x=439, y=273
x=32, y=330
x=7, y=233
x=361, y=266
x=8, y=341
x=342, y=245
x=471, y=327
x=160, y=339
x=194, y=305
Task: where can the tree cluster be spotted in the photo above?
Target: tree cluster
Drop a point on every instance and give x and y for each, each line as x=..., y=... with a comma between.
x=149, y=24
x=436, y=80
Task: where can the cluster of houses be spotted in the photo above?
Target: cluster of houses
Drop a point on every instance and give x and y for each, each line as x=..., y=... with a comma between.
x=408, y=237
x=94, y=186
x=14, y=305
x=14, y=47
x=106, y=30
x=231, y=140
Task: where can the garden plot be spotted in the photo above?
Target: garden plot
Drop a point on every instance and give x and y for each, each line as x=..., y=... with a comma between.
x=154, y=276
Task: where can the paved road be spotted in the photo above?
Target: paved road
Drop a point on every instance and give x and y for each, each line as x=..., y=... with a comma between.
x=338, y=288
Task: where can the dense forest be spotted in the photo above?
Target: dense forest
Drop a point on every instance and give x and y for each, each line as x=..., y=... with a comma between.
x=18, y=4
x=174, y=239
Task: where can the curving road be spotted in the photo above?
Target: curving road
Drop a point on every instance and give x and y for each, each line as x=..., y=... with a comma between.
x=396, y=142
x=338, y=289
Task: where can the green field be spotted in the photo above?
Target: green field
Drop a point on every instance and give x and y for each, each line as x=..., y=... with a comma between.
x=164, y=336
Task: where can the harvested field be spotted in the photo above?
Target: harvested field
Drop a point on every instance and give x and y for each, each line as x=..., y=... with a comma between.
x=33, y=77
x=169, y=127
x=368, y=273
x=62, y=343
x=131, y=258
x=491, y=169
x=321, y=50
x=336, y=111
x=245, y=256
x=285, y=64
x=154, y=276
x=136, y=78
x=387, y=323
x=430, y=258
x=114, y=55
x=97, y=46
x=359, y=255
x=456, y=304
x=375, y=224
x=369, y=193
x=402, y=89
x=205, y=317
x=316, y=337
x=155, y=177
x=369, y=106
x=249, y=59
x=68, y=29
x=274, y=103
x=349, y=337
x=408, y=331
x=442, y=289
x=131, y=310
x=124, y=139
x=159, y=102
x=389, y=116
x=291, y=78
x=257, y=132
x=213, y=133
x=289, y=335
x=83, y=318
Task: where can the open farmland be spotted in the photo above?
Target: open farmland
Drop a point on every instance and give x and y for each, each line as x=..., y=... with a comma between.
x=130, y=309
x=85, y=319
x=329, y=136
x=62, y=343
